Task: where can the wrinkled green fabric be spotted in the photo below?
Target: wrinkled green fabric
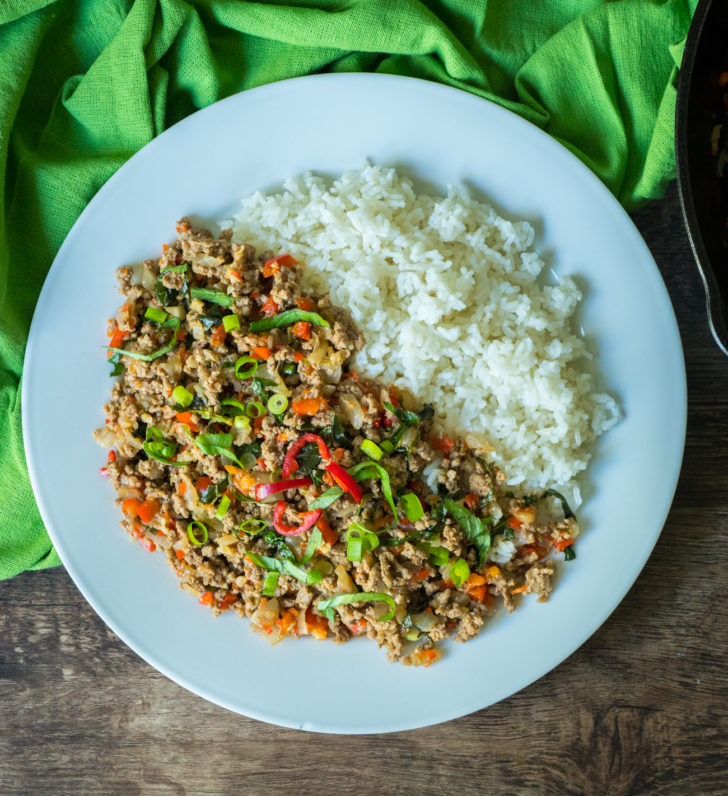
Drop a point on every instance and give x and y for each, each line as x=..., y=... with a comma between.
x=85, y=83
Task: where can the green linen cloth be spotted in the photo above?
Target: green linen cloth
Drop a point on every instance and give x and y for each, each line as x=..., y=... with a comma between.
x=85, y=83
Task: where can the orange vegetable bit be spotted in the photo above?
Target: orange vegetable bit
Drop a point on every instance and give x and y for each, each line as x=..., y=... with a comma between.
x=117, y=338
x=302, y=329
x=477, y=593
x=180, y=554
x=235, y=275
x=228, y=601
x=130, y=507
x=111, y=457
x=181, y=334
x=148, y=510
x=520, y=589
x=309, y=406
x=206, y=598
x=421, y=574
x=471, y=500
x=202, y=483
x=328, y=534
x=261, y=351
x=304, y=303
x=562, y=544
x=270, y=308
x=298, y=356
x=182, y=488
x=443, y=444
x=515, y=523
x=147, y=544
x=287, y=620
x=186, y=419
x=317, y=626
x=274, y=265
x=258, y=424
x=217, y=338
x=425, y=658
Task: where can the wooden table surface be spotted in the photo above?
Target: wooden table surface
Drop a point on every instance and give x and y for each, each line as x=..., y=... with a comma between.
x=641, y=708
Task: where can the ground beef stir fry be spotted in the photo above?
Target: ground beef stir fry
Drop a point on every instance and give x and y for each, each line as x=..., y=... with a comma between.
x=282, y=485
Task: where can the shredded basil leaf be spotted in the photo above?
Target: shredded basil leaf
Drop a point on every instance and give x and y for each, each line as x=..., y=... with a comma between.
x=171, y=323
x=365, y=470
x=324, y=606
x=213, y=492
x=285, y=568
x=213, y=296
x=334, y=435
x=278, y=543
x=405, y=417
x=286, y=318
x=331, y=495
x=118, y=366
x=217, y=444
x=475, y=530
x=568, y=513
x=157, y=447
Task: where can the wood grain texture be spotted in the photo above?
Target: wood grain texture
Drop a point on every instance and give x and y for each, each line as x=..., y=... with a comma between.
x=640, y=708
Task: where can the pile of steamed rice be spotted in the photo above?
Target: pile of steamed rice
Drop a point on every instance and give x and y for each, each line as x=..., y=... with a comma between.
x=449, y=297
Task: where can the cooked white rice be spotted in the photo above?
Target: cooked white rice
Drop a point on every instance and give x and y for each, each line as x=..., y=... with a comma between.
x=448, y=296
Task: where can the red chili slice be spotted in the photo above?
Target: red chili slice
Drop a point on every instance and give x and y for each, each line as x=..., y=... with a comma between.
x=263, y=491
x=290, y=465
x=344, y=480
x=308, y=520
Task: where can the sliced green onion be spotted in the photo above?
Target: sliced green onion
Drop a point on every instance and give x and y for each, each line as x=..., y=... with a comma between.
x=314, y=576
x=277, y=404
x=182, y=396
x=372, y=450
x=314, y=542
x=354, y=549
x=270, y=584
x=253, y=526
x=213, y=296
x=230, y=322
x=332, y=494
x=241, y=421
x=459, y=572
x=171, y=323
x=387, y=446
x=191, y=527
x=286, y=318
x=155, y=314
x=358, y=597
x=223, y=507
x=254, y=409
x=412, y=507
x=246, y=373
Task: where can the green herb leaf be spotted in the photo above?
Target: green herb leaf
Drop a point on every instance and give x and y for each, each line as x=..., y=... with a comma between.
x=568, y=513
x=170, y=323
x=213, y=296
x=286, y=318
x=213, y=492
x=314, y=542
x=334, y=435
x=278, y=543
x=475, y=530
x=157, y=447
x=270, y=584
x=217, y=444
x=459, y=572
x=331, y=495
x=569, y=553
x=365, y=470
x=284, y=568
x=330, y=603
x=117, y=366
x=404, y=417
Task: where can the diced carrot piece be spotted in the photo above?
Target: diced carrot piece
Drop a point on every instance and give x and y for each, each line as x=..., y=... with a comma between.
x=258, y=423
x=520, y=589
x=236, y=275
x=316, y=625
x=202, y=484
x=474, y=580
x=186, y=419
x=298, y=356
x=182, y=487
x=328, y=534
x=130, y=507
x=309, y=406
x=218, y=336
x=228, y=601
x=562, y=544
x=515, y=523
x=338, y=454
x=180, y=554
x=287, y=619
x=206, y=598
x=147, y=544
x=111, y=457
x=148, y=510
x=493, y=572
x=477, y=593
x=302, y=329
x=471, y=500
x=304, y=303
x=422, y=573
x=261, y=351
x=117, y=338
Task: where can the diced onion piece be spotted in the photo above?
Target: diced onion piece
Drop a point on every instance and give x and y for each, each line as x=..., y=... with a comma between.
x=353, y=410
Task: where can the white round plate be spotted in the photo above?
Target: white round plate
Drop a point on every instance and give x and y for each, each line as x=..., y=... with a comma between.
x=203, y=166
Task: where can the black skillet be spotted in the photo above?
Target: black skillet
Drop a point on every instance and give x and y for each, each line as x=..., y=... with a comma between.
x=702, y=104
